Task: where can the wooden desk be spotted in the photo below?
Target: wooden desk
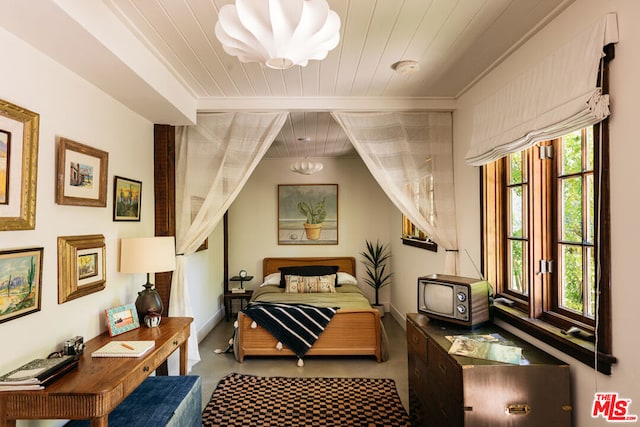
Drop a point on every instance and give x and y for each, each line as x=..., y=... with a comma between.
x=98, y=385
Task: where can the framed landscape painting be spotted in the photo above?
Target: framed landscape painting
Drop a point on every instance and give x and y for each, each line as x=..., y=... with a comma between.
x=20, y=282
x=81, y=266
x=308, y=214
x=127, y=198
x=81, y=174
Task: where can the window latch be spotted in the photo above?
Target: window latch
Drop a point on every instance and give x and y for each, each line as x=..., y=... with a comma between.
x=546, y=152
x=546, y=266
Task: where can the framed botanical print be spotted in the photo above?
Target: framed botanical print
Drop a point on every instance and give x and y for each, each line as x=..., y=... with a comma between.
x=127, y=199
x=81, y=174
x=81, y=266
x=19, y=130
x=308, y=214
x=21, y=282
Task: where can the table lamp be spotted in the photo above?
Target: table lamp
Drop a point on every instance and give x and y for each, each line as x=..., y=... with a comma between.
x=148, y=255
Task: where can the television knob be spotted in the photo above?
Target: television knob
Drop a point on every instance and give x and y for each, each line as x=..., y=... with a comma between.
x=462, y=297
x=461, y=309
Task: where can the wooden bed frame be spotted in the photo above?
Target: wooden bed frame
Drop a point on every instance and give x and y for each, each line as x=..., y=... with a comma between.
x=350, y=332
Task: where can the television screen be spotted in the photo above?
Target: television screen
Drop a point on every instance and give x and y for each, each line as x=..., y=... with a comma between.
x=439, y=298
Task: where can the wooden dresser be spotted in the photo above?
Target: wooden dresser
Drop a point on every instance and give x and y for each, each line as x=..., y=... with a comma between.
x=99, y=384
x=451, y=391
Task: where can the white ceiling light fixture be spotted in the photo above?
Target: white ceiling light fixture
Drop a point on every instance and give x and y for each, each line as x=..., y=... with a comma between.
x=306, y=167
x=278, y=33
x=406, y=67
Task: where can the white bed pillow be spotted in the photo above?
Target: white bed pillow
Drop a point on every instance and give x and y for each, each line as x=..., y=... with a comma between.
x=346, y=279
x=310, y=284
x=271, y=279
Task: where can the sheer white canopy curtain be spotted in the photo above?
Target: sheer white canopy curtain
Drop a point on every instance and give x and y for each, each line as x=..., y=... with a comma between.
x=214, y=159
x=410, y=154
x=554, y=97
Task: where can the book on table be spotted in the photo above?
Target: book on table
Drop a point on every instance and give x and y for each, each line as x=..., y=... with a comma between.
x=37, y=373
x=124, y=349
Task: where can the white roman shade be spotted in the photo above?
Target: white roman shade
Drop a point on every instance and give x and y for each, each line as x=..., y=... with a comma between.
x=554, y=97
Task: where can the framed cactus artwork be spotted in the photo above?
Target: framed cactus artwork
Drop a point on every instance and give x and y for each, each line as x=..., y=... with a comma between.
x=20, y=282
x=308, y=214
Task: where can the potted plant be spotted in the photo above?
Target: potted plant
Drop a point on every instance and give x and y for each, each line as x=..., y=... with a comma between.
x=375, y=261
x=315, y=213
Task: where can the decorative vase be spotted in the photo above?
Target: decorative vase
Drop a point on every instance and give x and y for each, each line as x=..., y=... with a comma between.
x=148, y=301
x=312, y=230
x=152, y=319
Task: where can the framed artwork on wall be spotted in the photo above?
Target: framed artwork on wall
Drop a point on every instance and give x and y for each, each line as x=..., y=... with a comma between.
x=19, y=130
x=81, y=266
x=81, y=174
x=20, y=282
x=308, y=214
x=127, y=199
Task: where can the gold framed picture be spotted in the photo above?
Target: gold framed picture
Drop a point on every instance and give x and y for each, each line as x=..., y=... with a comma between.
x=81, y=174
x=19, y=130
x=81, y=266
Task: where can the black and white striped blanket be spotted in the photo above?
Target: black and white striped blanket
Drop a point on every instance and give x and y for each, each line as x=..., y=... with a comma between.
x=296, y=326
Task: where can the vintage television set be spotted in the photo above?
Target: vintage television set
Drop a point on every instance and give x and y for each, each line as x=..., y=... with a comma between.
x=460, y=300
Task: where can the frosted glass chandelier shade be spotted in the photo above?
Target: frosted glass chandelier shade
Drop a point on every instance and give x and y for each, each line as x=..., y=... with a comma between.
x=278, y=33
x=306, y=167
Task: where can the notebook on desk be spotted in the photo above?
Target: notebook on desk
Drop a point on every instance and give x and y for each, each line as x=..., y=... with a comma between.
x=124, y=349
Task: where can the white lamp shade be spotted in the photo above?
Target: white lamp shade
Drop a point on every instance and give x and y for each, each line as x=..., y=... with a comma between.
x=278, y=33
x=147, y=254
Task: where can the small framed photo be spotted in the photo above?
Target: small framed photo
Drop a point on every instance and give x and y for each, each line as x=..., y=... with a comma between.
x=127, y=197
x=122, y=319
x=81, y=174
x=20, y=282
x=81, y=266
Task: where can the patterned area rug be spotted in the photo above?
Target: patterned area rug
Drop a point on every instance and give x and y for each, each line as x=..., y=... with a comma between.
x=247, y=400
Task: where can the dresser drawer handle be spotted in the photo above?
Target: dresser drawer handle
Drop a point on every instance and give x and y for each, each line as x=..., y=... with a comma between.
x=416, y=372
x=517, y=409
x=146, y=369
x=175, y=342
x=443, y=368
x=414, y=339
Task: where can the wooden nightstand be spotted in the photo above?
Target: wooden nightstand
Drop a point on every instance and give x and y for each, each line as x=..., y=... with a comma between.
x=229, y=296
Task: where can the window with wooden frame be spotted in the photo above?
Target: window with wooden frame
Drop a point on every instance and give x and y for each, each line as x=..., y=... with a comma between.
x=546, y=242
x=413, y=236
x=421, y=192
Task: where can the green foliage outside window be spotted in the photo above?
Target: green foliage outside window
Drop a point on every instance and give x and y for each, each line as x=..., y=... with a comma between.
x=576, y=239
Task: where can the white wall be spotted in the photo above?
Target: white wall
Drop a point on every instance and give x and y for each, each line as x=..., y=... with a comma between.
x=205, y=281
x=625, y=199
x=408, y=264
x=71, y=108
x=364, y=212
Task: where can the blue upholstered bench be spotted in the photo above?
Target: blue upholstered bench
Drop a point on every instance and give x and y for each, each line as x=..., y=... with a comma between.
x=173, y=401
